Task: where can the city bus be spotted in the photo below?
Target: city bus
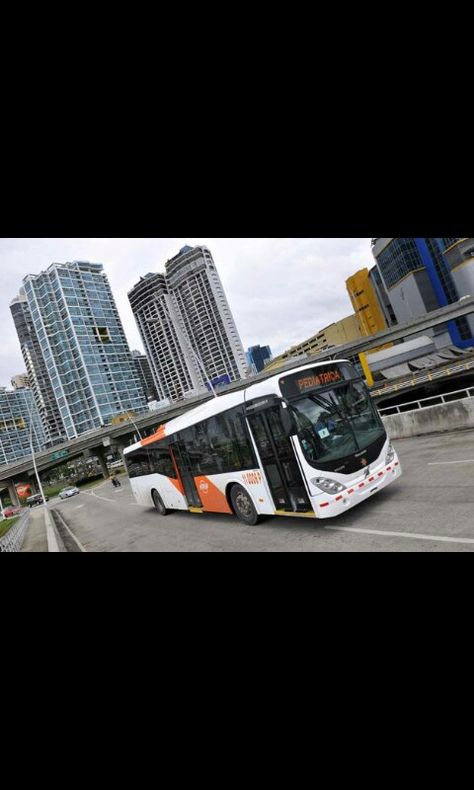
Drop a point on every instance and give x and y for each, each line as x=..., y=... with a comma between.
x=308, y=442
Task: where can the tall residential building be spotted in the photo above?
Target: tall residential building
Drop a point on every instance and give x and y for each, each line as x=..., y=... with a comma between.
x=38, y=376
x=419, y=279
x=258, y=357
x=201, y=303
x=175, y=372
x=366, y=304
x=145, y=375
x=20, y=381
x=18, y=412
x=83, y=344
x=187, y=327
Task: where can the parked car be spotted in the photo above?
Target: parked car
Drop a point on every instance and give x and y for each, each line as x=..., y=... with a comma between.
x=69, y=491
x=36, y=499
x=11, y=511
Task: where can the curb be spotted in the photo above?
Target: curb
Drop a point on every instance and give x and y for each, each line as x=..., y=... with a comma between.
x=51, y=535
x=69, y=534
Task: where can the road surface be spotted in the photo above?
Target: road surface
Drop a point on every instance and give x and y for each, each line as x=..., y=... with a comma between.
x=429, y=509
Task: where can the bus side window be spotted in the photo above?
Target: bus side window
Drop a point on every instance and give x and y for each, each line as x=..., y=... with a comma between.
x=138, y=463
x=161, y=463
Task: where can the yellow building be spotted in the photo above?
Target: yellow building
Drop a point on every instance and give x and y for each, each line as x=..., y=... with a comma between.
x=365, y=303
x=336, y=334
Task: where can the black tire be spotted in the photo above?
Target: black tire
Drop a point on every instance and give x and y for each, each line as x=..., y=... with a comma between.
x=243, y=506
x=158, y=503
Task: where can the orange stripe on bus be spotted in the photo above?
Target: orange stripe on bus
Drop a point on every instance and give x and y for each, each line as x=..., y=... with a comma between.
x=213, y=500
x=159, y=434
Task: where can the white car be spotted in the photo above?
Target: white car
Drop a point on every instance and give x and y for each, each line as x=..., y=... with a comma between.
x=67, y=492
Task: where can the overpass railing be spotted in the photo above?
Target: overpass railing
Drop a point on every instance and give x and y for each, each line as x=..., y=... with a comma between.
x=424, y=403
x=423, y=379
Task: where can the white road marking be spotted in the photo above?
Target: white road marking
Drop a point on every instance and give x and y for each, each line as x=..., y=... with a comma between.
x=445, y=463
x=411, y=535
x=98, y=497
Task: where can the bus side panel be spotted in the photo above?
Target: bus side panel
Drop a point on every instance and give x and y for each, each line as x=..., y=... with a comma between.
x=167, y=488
x=212, y=491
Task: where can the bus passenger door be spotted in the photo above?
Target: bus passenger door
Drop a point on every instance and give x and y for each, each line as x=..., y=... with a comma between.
x=279, y=461
x=183, y=463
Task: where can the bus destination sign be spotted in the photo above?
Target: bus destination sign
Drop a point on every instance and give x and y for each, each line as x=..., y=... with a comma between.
x=293, y=386
x=318, y=380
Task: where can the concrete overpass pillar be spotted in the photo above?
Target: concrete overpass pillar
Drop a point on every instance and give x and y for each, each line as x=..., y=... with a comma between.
x=12, y=492
x=33, y=485
x=101, y=453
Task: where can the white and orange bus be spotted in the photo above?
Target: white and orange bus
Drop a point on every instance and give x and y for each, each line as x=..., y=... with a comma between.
x=308, y=442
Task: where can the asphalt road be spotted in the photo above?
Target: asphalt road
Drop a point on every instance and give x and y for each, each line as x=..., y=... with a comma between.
x=431, y=508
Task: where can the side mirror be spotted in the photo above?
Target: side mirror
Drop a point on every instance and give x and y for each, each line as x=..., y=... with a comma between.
x=287, y=421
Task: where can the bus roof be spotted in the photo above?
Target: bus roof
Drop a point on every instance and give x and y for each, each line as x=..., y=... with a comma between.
x=224, y=402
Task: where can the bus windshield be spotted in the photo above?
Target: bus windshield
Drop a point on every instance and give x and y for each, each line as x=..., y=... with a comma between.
x=337, y=423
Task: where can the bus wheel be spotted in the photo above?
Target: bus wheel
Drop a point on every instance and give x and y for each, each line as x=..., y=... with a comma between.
x=158, y=503
x=243, y=506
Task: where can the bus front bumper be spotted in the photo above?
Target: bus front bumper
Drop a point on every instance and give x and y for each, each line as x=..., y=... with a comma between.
x=325, y=506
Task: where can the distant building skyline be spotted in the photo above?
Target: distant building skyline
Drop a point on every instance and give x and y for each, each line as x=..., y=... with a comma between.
x=20, y=381
x=37, y=371
x=18, y=412
x=258, y=356
x=143, y=369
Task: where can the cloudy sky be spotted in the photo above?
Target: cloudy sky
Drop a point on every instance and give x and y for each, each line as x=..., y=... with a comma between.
x=281, y=291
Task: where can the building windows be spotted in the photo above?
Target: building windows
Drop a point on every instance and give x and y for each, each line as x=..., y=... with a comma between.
x=399, y=258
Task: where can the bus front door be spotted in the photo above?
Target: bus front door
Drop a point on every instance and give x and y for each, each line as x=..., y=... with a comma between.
x=183, y=463
x=279, y=461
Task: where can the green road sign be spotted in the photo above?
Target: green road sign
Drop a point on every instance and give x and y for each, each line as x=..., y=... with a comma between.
x=59, y=454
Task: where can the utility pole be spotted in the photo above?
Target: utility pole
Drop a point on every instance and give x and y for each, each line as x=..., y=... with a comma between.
x=34, y=459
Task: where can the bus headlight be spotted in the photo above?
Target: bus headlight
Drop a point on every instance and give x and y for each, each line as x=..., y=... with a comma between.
x=390, y=454
x=327, y=485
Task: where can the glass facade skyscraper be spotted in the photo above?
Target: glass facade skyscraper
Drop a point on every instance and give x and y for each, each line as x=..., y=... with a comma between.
x=258, y=357
x=143, y=369
x=418, y=278
x=17, y=412
x=83, y=344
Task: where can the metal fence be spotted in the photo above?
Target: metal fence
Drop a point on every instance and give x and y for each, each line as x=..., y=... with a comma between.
x=424, y=403
x=15, y=536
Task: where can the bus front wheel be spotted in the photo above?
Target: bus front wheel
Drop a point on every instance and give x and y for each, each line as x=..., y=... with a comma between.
x=158, y=503
x=243, y=506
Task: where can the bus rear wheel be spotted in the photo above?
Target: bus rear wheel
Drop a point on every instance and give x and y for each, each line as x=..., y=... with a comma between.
x=158, y=503
x=243, y=506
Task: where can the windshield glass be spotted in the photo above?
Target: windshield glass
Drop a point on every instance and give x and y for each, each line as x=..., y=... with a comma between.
x=337, y=423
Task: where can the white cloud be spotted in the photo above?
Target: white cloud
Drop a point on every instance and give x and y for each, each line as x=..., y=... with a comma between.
x=281, y=291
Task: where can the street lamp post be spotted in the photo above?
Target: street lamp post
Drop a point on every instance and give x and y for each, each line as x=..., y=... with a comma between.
x=136, y=427
x=34, y=459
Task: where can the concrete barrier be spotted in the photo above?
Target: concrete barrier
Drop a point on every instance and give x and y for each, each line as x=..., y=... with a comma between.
x=455, y=416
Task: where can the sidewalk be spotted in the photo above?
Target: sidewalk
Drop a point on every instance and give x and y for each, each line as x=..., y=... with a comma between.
x=35, y=538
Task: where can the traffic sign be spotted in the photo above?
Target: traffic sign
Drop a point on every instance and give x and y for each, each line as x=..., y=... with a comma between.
x=59, y=454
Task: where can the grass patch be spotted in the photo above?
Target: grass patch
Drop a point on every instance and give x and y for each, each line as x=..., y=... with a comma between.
x=90, y=484
x=6, y=524
x=53, y=491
